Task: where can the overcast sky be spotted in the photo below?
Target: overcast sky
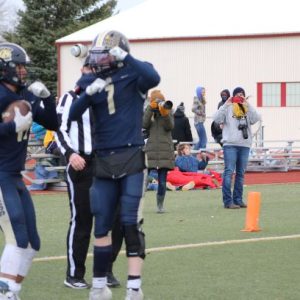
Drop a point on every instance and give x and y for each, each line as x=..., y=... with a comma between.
x=122, y=4
x=125, y=4
x=9, y=8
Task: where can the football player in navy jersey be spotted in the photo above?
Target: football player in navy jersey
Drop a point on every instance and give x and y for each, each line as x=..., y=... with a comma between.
x=117, y=99
x=17, y=215
x=75, y=140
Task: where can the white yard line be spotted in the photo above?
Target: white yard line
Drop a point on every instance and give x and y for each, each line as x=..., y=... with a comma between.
x=197, y=245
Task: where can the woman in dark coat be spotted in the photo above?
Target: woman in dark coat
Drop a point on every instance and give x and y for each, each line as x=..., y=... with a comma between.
x=159, y=122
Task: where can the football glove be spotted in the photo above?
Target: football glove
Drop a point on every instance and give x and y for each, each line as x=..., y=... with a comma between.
x=39, y=90
x=163, y=111
x=23, y=123
x=96, y=87
x=118, y=53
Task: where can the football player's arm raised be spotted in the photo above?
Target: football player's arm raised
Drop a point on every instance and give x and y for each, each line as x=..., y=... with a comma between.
x=79, y=106
x=148, y=78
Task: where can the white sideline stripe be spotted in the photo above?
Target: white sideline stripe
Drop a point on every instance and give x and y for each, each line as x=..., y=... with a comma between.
x=186, y=246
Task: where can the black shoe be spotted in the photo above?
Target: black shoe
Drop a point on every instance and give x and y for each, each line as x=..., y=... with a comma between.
x=76, y=283
x=112, y=281
x=232, y=206
x=243, y=205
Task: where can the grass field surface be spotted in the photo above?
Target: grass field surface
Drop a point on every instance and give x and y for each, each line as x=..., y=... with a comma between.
x=195, y=251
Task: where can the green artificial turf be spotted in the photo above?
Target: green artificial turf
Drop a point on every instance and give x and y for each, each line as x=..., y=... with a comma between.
x=199, y=269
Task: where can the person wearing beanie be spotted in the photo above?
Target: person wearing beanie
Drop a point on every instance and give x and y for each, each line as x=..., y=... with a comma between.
x=181, y=107
x=155, y=96
x=238, y=90
x=198, y=109
x=159, y=149
x=182, y=128
x=237, y=140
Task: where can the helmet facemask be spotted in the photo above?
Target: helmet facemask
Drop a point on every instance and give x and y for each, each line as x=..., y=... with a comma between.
x=102, y=62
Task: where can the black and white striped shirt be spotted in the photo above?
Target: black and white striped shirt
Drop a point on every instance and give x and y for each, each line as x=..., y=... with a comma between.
x=73, y=136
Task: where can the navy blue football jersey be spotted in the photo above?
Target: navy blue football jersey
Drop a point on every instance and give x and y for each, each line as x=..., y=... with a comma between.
x=118, y=109
x=13, y=147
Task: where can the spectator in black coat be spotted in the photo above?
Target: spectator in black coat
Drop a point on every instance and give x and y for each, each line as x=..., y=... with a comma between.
x=225, y=94
x=216, y=129
x=182, y=128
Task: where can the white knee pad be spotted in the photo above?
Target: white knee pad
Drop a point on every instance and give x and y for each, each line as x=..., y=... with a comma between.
x=27, y=256
x=11, y=260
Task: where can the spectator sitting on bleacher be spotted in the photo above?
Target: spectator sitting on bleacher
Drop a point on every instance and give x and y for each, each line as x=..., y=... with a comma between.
x=152, y=183
x=38, y=131
x=40, y=170
x=188, y=167
x=186, y=162
x=38, y=134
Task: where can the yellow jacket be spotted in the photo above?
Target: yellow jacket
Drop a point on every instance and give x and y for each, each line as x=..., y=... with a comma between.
x=49, y=137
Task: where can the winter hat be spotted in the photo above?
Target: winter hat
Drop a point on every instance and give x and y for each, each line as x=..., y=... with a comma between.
x=199, y=92
x=225, y=92
x=156, y=94
x=181, y=107
x=238, y=90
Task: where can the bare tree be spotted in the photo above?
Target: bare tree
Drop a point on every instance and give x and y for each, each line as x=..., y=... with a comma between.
x=9, y=15
x=3, y=15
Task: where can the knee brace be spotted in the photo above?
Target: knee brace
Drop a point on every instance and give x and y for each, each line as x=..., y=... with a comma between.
x=135, y=241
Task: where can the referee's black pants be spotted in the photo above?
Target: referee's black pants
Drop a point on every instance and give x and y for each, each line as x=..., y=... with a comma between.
x=81, y=222
x=80, y=226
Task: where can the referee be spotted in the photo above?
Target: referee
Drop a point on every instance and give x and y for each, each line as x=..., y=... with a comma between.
x=74, y=140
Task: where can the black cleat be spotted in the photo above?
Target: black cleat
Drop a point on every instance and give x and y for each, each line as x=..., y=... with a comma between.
x=112, y=281
x=76, y=283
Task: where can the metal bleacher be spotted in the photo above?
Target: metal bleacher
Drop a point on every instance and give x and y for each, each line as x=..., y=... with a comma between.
x=283, y=157
x=36, y=155
x=265, y=155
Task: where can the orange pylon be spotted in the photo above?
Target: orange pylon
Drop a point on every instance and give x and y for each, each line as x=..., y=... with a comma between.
x=252, y=213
